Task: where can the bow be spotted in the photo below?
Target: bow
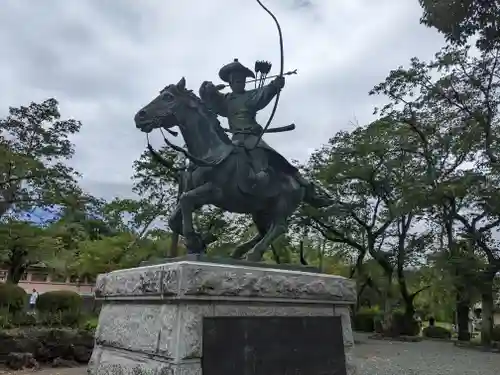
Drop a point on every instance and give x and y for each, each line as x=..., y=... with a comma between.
x=280, y=75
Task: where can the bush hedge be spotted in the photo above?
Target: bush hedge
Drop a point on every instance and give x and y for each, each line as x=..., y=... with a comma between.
x=13, y=298
x=47, y=345
x=404, y=325
x=60, y=302
x=436, y=332
x=401, y=325
x=495, y=334
x=364, y=319
x=90, y=324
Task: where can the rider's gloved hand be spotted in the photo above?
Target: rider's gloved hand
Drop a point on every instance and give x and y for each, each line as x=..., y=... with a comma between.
x=279, y=82
x=207, y=86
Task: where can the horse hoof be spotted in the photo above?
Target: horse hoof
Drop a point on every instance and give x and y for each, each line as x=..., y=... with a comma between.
x=195, y=244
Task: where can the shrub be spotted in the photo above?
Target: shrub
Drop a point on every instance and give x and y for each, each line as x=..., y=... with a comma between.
x=59, y=302
x=13, y=298
x=23, y=318
x=495, y=334
x=404, y=325
x=401, y=325
x=5, y=320
x=364, y=319
x=436, y=332
x=59, y=319
x=378, y=323
x=90, y=324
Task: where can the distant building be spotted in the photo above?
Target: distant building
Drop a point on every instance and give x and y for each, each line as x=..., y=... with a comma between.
x=39, y=278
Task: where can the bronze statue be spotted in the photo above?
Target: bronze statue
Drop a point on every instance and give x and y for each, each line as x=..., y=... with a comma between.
x=241, y=107
x=243, y=175
x=233, y=175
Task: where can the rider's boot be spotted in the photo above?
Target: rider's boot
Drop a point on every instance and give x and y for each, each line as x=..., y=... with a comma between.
x=259, y=173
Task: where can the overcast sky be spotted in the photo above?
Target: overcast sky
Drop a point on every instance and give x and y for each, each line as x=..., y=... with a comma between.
x=104, y=59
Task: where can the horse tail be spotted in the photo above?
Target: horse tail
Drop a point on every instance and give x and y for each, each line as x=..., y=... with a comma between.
x=314, y=197
x=275, y=254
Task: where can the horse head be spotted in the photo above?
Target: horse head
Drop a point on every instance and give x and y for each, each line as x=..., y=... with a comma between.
x=177, y=106
x=166, y=110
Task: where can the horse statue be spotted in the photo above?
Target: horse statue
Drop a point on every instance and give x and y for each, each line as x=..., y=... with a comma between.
x=220, y=174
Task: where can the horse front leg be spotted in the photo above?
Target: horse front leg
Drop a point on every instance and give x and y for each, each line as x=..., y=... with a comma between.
x=242, y=249
x=260, y=220
x=188, y=202
x=276, y=229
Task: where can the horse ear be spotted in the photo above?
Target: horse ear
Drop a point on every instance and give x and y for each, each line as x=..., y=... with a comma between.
x=181, y=85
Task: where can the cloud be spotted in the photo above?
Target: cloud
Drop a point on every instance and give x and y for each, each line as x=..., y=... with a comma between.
x=104, y=59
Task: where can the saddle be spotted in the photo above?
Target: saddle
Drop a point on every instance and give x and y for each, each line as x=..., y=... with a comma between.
x=245, y=175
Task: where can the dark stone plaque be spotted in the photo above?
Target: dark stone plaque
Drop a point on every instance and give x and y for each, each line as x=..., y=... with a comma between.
x=273, y=346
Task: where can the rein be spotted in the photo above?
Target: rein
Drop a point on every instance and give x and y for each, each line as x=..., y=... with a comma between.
x=186, y=153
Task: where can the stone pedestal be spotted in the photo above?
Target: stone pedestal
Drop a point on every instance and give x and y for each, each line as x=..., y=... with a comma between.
x=151, y=319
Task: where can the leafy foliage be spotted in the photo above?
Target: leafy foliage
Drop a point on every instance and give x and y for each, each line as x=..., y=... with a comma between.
x=59, y=302
x=23, y=245
x=13, y=298
x=459, y=20
x=364, y=319
x=450, y=105
x=34, y=145
x=436, y=332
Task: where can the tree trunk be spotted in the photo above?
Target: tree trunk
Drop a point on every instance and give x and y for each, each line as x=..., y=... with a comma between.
x=463, y=318
x=174, y=246
x=322, y=254
x=7, y=195
x=15, y=274
x=408, y=298
x=358, y=295
x=487, y=312
x=387, y=301
x=4, y=207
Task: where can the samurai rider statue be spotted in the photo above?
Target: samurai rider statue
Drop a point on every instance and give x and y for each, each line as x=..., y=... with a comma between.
x=240, y=107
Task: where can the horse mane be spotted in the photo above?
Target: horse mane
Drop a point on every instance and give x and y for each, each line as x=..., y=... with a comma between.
x=206, y=112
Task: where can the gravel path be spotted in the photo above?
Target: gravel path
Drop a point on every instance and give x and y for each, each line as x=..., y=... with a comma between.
x=377, y=357
x=49, y=371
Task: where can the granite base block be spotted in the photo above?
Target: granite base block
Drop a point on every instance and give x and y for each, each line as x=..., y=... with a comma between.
x=107, y=361
x=151, y=319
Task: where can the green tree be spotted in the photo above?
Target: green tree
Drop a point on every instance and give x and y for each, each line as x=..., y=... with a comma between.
x=373, y=178
x=159, y=179
x=136, y=235
x=34, y=146
x=115, y=252
x=81, y=218
x=458, y=20
x=438, y=300
x=22, y=245
x=451, y=106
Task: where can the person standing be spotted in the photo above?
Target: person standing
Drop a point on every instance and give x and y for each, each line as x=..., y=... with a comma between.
x=33, y=299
